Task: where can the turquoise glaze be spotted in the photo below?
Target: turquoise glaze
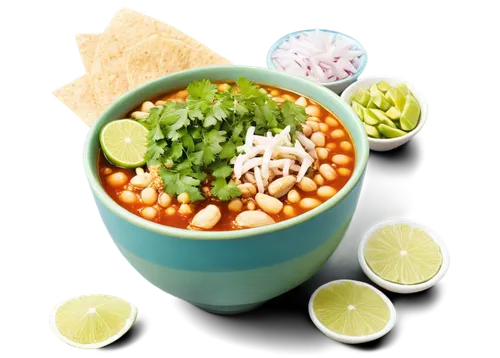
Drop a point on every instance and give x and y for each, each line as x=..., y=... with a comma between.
x=338, y=86
x=232, y=271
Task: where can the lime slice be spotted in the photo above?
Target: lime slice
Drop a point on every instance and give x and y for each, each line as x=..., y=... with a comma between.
x=411, y=114
x=351, y=311
x=390, y=132
x=371, y=131
x=358, y=109
x=393, y=113
x=380, y=101
x=362, y=96
x=403, y=254
x=92, y=321
x=384, y=86
x=370, y=117
x=403, y=87
x=396, y=98
x=124, y=143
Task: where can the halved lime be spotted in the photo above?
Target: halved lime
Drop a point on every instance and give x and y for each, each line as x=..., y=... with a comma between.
x=411, y=114
x=403, y=254
x=124, y=143
x=92, y=321
x=351, y=312
x=390, y=132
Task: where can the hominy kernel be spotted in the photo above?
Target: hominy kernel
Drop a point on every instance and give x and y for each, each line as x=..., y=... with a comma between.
x=313, y=125
x=293, y=196
x=313, y=111
x=307, y=130
x=251, y=205
x=322, y=153
x=344, y=172
x=337, y=134
x=318, y=139
x=327, y=172
x=326, y=192
x=314, y=119
x=185, y=209
x=235, y=205
x=170, y=211
x=288, y=210
x=323, y=127
x=146, y=106
x=331, y=146
x=223, y=87
x=127, y=197
x=117, y=179
x=149, y=213
x=319, y=180
x=183, y=198
x=149, y=196
x=139, y=171
x=182, y=94
x=165, y=200
x=275, y=93
x=107, y=171
x=307, y=184
x=288, y=97
x=341, y=159
x=332, y=122
x=309, y=203
x=301, y=102
x=346, y=146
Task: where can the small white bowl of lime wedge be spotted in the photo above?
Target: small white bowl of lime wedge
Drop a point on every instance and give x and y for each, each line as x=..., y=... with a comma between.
x=351, y=312
x=403, y=256
x=383, y=123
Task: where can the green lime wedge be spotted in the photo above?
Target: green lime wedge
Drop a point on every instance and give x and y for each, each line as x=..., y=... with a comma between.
x=370, y=117
x=393, y=113
x=362, y=96
x=403, y=87
x=380, y=101
x=384, y=86
x=396, y=98
x=390, y=132
x=374, y=89
x=371, y=104
x=383, y=118
x=358, y=109
x=411, y=114
x=379, y=114
x=371, y=131
x=124, y=143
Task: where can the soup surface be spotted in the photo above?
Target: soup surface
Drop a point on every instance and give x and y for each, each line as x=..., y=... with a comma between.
x=274, y=176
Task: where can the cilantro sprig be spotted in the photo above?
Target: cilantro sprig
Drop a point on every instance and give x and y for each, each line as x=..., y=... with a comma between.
x=199, y=137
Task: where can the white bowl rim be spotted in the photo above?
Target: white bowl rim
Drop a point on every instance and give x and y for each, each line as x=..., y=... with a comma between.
x=396, y=287
x=422, y=101
x=353, y=339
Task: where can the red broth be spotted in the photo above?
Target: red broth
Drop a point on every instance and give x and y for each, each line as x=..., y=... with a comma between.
x=337, y=142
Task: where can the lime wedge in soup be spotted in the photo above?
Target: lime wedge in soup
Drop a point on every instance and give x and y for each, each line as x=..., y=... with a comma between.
x=124, y=143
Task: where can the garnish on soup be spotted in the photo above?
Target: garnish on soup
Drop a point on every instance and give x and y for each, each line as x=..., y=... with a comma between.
x=231, y=156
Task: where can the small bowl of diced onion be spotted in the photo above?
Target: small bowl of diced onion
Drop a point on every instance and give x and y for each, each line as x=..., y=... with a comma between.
x=327, y=57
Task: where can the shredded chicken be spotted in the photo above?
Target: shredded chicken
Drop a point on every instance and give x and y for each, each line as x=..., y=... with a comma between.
x=270, y=156
x=157, y=183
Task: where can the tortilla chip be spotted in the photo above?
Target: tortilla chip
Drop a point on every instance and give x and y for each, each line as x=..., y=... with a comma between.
x=154, y=57
x=87, y=45
x=160, y=55
x=126, y=29
x=79, y=97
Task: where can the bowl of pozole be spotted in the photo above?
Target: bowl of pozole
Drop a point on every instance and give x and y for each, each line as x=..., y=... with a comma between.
x=227, y=186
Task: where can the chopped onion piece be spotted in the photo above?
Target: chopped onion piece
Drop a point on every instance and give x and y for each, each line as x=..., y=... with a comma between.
x=318, y=55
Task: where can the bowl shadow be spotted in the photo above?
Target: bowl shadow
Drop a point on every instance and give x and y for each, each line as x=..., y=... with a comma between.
x=128, y=338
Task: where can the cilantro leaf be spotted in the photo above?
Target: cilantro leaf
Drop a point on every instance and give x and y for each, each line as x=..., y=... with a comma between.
x=155, y=133
x=224, y=190
x=221, y=170
x=228, y=150
x=202, y=90
x=155, y=151
x=293, y=114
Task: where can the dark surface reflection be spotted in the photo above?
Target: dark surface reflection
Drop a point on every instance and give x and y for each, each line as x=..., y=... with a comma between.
x=284, y=321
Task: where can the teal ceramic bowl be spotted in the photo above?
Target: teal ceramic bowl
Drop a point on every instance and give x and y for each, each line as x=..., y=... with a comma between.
x=233, y=271
x=337, y=86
